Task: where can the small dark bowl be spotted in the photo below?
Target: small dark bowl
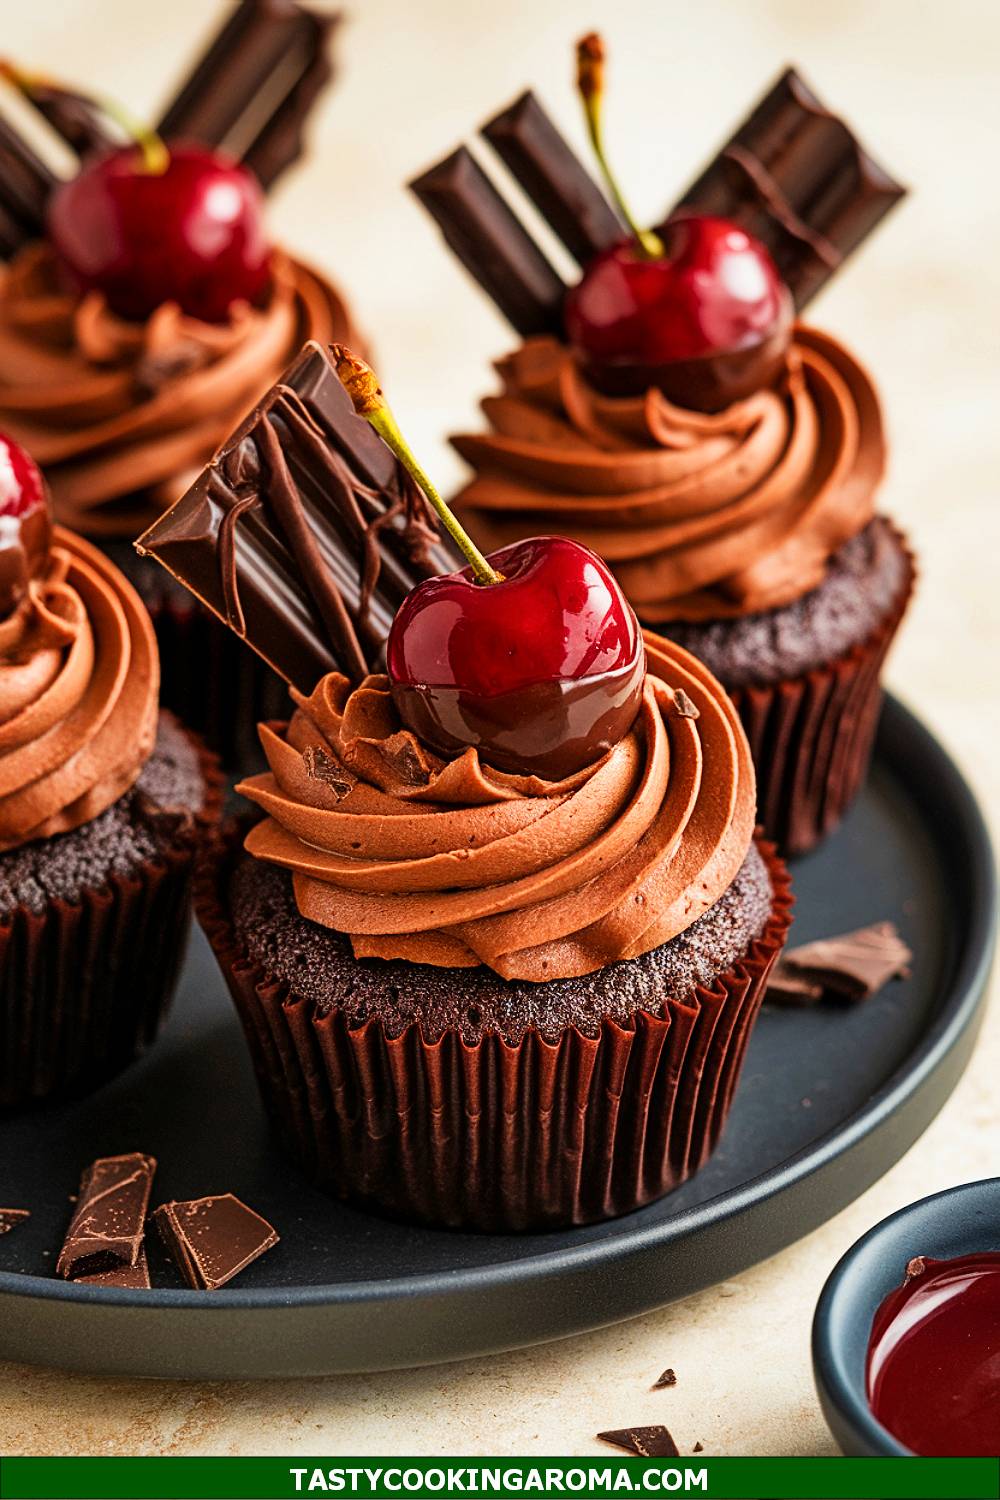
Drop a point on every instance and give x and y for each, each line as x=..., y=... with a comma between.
x=961, y=1221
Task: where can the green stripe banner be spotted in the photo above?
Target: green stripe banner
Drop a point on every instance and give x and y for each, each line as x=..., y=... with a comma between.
x=416, y=1478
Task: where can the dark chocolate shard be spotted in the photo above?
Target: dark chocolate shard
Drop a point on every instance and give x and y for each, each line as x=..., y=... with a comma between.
x=698, y=1448
x=107, y=1227
x=551, y=174
x=665, y=1381
x=304, y=534
x=854, y=965
x=492, y=244
x=10, y=1218
x=254, y=86
x=796, y=176
x=135, y=1278
x=211, y=1240
x=648, y=1442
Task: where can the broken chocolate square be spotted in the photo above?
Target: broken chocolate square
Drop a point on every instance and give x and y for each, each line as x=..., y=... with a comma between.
x=648, y=1442
x=211, y=1240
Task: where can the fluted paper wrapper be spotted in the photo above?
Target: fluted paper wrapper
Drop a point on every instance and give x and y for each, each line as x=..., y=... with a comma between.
x=811, y=737
x=85, y=986
x=496, y=1136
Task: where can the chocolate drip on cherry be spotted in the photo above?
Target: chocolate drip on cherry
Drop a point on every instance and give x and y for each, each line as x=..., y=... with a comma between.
x=25, y=524
x=532, y=654
x=698, y=309
x=147, y=223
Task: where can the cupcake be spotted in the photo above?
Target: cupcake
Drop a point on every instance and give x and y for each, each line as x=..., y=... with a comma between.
x=102, y=804
x=500, y=939
x=673, y=413
x=126, y=358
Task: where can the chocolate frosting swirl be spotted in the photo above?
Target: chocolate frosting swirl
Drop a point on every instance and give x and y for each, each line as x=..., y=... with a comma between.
x=701, y=516
x=120, y=415
x=79, y=683
x=453, y=863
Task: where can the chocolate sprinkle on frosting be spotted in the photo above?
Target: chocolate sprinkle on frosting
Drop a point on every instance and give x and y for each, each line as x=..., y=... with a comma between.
x=684, y=706
x=648, y=1442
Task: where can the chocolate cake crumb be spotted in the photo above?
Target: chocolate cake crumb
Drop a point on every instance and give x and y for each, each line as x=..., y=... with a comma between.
x=863, y=581
x=915, y=1267
x=319, y=964
x=120, y=841
x=664, y=1381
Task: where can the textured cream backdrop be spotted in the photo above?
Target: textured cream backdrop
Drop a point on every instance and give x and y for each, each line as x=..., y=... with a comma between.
x=921, y=305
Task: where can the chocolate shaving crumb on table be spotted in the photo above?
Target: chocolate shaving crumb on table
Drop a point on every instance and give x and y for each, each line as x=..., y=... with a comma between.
x=11, y=1217
x=852, y=966
x=107, y=1227
x=648, y=1442
x=698, y=1448
x=665, y=1381
x=211, y=1240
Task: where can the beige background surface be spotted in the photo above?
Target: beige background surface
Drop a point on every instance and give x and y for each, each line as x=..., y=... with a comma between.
x=920, y=303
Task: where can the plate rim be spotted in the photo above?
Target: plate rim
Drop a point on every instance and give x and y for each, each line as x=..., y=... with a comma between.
x=898, y=727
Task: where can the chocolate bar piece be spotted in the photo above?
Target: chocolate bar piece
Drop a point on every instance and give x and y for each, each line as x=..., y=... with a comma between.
x=211, y=1240
x=254, y=86
x=304, y=534
x=135, y=1278
x=106, y=1231
x=11, y=1217
x=25, y=184
x=554, y=178
x=795, y=991
x=648, y=1442
x=854, y=965
x=492, y=244
x=796, y=176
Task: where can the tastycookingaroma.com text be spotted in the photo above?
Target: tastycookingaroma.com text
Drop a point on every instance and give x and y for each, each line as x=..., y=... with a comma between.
x=499, y=1479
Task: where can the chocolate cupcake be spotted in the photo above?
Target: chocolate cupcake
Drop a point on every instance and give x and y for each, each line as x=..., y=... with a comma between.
x=500, y=939
x=123, y=385
x=671, y=413
x=102, y=805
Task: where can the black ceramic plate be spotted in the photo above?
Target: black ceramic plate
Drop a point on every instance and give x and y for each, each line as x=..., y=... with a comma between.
x=828, y=1100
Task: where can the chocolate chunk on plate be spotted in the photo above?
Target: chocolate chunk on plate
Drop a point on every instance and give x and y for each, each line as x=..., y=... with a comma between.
x=211, y=1240
x=11, y=1217
x=664, y=1381
x=854, y=965
x=107, y=1227
x=648, y=1442
x=784, y=987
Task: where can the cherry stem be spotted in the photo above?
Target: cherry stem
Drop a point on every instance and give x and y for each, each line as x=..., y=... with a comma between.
x=360, y=383
x=590, y=56
x=152, y=148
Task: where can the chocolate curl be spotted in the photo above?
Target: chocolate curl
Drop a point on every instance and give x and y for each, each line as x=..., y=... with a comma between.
x=795, y=176
x=553, y=177
x=255, y=85
x=492, y=244
x=303, y=534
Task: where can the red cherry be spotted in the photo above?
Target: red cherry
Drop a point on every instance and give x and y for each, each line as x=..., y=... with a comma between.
x=542, y=672
x=715, y=293
x=192, y=234
x=25, y=522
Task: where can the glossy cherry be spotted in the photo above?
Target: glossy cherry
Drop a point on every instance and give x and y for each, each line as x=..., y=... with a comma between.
x=542, y=672
x=714, y=291
x=193, y=233
x=25, y=522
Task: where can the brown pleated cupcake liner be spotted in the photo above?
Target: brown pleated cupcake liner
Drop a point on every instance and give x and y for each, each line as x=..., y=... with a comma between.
x=496, y=1136
x=84, y=986
x=811, y=737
